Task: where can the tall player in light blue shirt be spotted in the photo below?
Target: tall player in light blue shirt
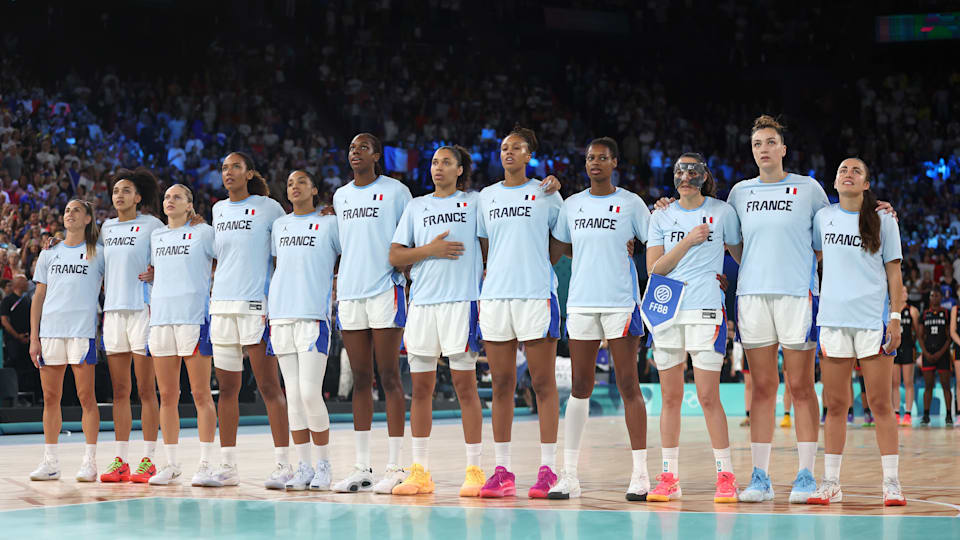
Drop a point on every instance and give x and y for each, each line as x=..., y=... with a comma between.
x=238, y=313
x=306, y=246
x=862, y=291
x=63, y=328
x=126, y=315
x=518, y=304
x=686, y=242
x=372, y=304
x=595, y=226
x=182, y=256
x=437, y=234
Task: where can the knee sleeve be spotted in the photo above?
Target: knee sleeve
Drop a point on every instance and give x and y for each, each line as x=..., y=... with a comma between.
x=463, y=362
x=290, y=370
x=422, y=364
x=313, y=367
x=228, y=357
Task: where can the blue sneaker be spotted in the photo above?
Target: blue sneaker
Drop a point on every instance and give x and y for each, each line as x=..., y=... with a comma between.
x=759, y=489
x=803, y=487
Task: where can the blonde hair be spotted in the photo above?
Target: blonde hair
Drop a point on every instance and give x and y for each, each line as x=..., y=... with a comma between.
x=91, y=233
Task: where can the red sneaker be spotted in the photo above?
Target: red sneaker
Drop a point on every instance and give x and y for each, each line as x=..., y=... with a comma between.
x=545, y=480
x=118, y=471
x=145, y=471
x=501, y=484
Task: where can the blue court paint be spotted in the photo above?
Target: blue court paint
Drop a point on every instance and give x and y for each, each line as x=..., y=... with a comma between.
x=203, y=518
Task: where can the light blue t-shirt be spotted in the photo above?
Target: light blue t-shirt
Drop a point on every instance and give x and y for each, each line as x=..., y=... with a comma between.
x=182, y=260
x=443, y=280
x=306, y=248
x=777, y=223
x=73, y=291
x=855, y=293
x=699, y=267
x=242, y=247
x=603, y=274
x=126, y=252
x=367, y=218
x=517, y=221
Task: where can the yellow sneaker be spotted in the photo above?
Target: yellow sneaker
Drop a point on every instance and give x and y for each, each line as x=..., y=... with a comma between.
x=786, y=421
x=472, y=482
x=418, y=482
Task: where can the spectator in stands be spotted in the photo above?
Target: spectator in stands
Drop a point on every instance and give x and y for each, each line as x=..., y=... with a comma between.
x=15, y=318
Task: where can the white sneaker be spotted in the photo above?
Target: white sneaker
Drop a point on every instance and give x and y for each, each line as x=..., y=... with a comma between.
x=892, y=495
x=88, y=471
x=49, y=469
x=202, y=475
x=225, y=475
x=360, y=479
x=279, y=477
x=568, y=487
x=639, y=487
x=301, y=479
x=392, y=477
x=167, y=475
x=322, y=477
x=828, y=492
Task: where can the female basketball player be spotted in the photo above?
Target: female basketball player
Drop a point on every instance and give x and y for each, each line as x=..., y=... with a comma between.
x=372, y=306
x=955, y=336
x=238, y=314
x=126, y=315
x=686, y=243
x=935, y=345
x=514, y=223
x=862, y=288
x=306, y=246
x=594, y=226
x=63, y=330
x=182, y=256
x=437, y=234
x=904, y=362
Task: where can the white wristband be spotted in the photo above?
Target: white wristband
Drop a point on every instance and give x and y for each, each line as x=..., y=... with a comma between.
x=895, y=316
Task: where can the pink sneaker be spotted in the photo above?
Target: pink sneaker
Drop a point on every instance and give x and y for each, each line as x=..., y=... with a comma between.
x=726, y=488
x=668, y=488
x=501, y=484
x=545, y=480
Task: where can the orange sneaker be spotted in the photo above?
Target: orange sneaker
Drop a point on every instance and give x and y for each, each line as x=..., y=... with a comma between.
x=145, y=471
x=118, y=471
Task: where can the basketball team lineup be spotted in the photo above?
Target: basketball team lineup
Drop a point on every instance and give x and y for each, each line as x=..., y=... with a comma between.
x=459, y=274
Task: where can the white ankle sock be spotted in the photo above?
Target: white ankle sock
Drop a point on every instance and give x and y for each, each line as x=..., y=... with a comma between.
x=303, y=453
x=891, y=466
x=474, y=451
x=206, y=450
x=831, y=466
x=760, y=452
x=501, y=452
x=807, y=454
x=395, y=445
x=322, y=452
x=149, y=449
x=229, y=455
x=282, y=454
x=420, y=451
x=671, y=460
x=640, y=463
x=123, y=450
x=170, y=450
x=548, y=455
x=723, y=459
x=362, y=441
x=50, y=452
x=90, y=451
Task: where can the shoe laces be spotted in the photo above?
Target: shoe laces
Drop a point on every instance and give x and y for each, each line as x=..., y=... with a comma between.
x=759, y=480
x=543, y=475
x=115, y=465
x=144, y=466
x=666, y=477
x=475, y=475
x=725, y=480
x=891, y=486
x=204, y=466
x=826, y=488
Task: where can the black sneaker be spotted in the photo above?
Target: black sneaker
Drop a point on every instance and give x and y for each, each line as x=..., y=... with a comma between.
x=926, y=420
x=949, y=421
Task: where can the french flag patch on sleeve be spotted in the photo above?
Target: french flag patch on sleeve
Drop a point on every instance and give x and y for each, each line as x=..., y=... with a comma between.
x=134, y=229
x=708, y=219
x=188, y=236
x=791, y=191
x=615, y=209
x=378, y=196
x=313, y=226
x=250, y=211
x=529, y=197
x=461, y=205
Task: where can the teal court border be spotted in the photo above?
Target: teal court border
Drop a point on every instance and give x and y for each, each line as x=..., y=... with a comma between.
x=161, y=517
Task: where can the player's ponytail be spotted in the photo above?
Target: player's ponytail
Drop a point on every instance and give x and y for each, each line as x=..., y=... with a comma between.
x=91, y=233
x=869, y=218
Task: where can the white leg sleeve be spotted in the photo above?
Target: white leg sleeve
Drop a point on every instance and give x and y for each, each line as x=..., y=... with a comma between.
x=290, y=370
x=346, y=375
x=313, y=366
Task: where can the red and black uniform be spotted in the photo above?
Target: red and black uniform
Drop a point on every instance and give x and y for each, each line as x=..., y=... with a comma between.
x=936, y=333
x=908, y=341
